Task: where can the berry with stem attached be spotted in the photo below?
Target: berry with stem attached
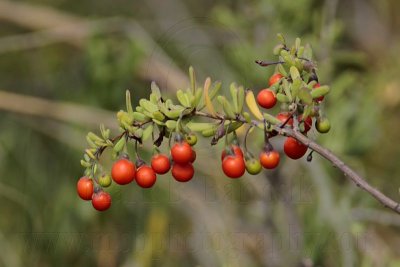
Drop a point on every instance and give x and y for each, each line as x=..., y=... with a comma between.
x=233, y=166
x=181, y=152
x=253, y=166
x=85, y=188
x=269, y=159
x=235, y=149
x=145, y=176
x=266, y=98
x=101, y=200
x=293, y=148
x=160, y=163
x=123, y=171
x=105, y=180
x=191, y=139
x=323, y=125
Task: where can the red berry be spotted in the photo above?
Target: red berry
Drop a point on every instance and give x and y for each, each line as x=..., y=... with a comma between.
x=233, y=166
x=123, y=171
x=236, y=150
x=181, y=152
x=266, y=98
x=145, y=176
x=85, y=188
x=270, y=159
x=182, y=172
x=275, y=78
x=321, y=98
x=193, y=156
x=160, y=163
x=294, y=149
x=101, y=201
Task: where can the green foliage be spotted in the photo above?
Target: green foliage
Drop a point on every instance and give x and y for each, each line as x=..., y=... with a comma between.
x=43, y=225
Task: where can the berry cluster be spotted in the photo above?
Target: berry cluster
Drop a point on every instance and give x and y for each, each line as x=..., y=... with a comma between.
x=124, y=171
x=294, y=86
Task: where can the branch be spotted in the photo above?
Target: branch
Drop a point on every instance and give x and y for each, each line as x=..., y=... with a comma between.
x=327, y=154
x=347, y=171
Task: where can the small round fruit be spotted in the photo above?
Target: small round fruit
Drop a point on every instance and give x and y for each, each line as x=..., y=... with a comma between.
x=101, y=200
x=105, y=180
x=181, y=152
x=321, y=98
x=269, y=159
x=266, y=98
x=253, y=166
x=275, y=78
x=145, y=176
x=236, y=150
x=191, y=139
x=160, y=163
x=322, y=125
x=85, y=188
x=233, y=166
x=182, y=172
x=294, y=149
x=123, y=171
x=193, y=156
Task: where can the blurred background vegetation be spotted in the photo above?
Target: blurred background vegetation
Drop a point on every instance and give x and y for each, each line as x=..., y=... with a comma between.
x=64, y=68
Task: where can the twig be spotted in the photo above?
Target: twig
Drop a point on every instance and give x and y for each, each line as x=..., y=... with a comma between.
x=347, y=171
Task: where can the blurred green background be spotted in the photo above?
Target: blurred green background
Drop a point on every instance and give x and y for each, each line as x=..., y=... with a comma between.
x=64, y=68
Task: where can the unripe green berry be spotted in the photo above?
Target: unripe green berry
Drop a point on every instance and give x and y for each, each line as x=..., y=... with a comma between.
x=191, y=139
x=253, y=166
x=323, y=125
x=105, y=180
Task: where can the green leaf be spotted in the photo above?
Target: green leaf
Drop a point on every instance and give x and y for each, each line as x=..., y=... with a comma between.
x=305, y=95
x=227, y=107
x=171, y=124
x=320, y=91
x=138, y=133
x=307, y=111
x=281, y=38
x=281, y=70
x=120, y=144
x=197, y=97
x=159, y=122
x=294, y=73
x=297, y=83
x=300, y=51
x=277, y=49
x=297, y=43
x=155, y=90
x=90, y=142
x=308, y=54
x=192, y=76
x=286, y=88
x=147, y=132
x=199, y=126
x=241, y=99
x=129, y=108
x=234, y=94
x=148, y=106
x=85, y=164
x=183, y=98
x=282, y=98
x=271, y=119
